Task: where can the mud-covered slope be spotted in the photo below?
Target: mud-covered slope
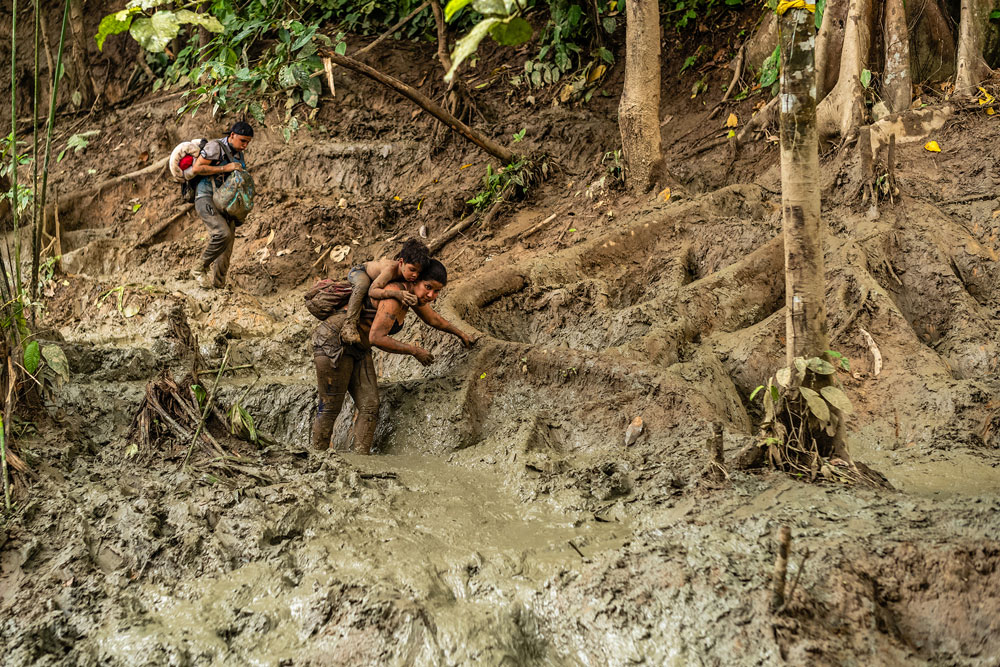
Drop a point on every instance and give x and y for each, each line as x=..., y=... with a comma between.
x=503, y=520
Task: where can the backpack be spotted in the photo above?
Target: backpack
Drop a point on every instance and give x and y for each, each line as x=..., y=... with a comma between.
x=180, y=173
x=327, y=296
x=235, y=195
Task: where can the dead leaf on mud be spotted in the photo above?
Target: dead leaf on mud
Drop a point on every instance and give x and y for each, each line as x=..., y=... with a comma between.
x=634, y=430
x=732, y=121
x=285, y=251
x=932, y=146
x=340, y=252
x=664, y=194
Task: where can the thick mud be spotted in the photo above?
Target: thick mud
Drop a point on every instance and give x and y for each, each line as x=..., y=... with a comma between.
x=503, y=519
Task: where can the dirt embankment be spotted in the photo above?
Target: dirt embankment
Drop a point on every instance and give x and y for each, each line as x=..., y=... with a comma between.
x=503, y=519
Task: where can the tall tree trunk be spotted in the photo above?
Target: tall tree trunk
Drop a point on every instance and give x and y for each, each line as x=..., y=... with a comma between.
x=805, y=283
x=805, y=322
x=829, y=42
x=897, y=87
x=639, y=109
x=843, y=109
x=972, y=68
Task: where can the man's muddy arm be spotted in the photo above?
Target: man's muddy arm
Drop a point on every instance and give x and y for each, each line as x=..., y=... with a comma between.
x=432, y=318
x=379, y=336
x=204, y=167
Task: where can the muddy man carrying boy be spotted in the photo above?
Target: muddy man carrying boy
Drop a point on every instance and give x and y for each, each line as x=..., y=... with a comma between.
x=371, y=279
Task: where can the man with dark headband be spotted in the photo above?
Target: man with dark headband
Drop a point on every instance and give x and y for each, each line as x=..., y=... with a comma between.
x=218, y=158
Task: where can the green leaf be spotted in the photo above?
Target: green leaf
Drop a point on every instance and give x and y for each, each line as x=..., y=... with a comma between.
x=609, y=24
x=136, y=207
x=32, y=357
x=453, y=7
x=113, y=24
x=816, y=404
x=286, y=77
x=995, y=14
x=199, y=393
x=206, y=21
x=466, y=46
x=514, y=32
x=154, y=34
x=820, y=9
x=866, y=77
x=56, y=359
x=341, y=48
x=836, y=397
x=771, y=68
x=756, y=391
x=820, y=366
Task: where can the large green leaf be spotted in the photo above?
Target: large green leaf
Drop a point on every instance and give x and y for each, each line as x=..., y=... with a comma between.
x=113, y=24
x=153, y=34
x=32, y=357
x=513, y=32
x=466, y=46
x=816, y=404
x=501, y=8
x=206, y=21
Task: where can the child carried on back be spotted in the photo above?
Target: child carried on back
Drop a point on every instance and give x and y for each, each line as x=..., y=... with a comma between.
x=371, y=279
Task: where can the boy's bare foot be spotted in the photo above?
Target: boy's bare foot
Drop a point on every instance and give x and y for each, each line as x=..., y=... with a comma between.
x=349, y=333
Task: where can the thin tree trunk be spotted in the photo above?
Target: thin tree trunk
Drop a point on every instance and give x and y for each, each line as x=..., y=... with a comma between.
x=805, y=322
x=421, y=100
x=82, y=74
x=13, y=148
x=639, y=109
x=442, y=35
x=972, y=68
x=36, y=216
x=843, y=109
x=897, y=87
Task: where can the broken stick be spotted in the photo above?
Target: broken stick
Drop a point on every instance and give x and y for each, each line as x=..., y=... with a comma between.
x=780, y=568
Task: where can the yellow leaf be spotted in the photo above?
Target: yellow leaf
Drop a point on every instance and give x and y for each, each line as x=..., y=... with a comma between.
x=731, y=134
x=664, y=194
x=464, y=166
x=596, y=73
x=483, y=376
x=732, y=121
x=990, y=111
x=397, y=198
x=932, y=146
x=566, y=93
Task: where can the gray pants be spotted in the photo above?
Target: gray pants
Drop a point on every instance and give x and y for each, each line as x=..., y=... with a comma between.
x=222, y=235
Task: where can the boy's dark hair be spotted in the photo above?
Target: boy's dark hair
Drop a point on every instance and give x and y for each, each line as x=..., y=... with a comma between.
x=434, y=270
x=414, y=252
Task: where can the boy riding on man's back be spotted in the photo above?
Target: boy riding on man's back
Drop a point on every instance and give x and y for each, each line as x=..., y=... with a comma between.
x=372, y=277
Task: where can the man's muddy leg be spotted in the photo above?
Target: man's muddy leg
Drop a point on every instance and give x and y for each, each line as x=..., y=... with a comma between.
x=360, y=282
x=221, y=266
x=364, y=391
x=331, y=381
x=221, y=235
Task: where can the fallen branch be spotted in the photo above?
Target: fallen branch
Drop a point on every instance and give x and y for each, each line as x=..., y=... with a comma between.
x=96, y=189
x=461, y=226
x=732, y=84
x=403, y=21
x=759, y=120
x=780, y=568
x=428, y=105
x=163, y=225
x=208, y=406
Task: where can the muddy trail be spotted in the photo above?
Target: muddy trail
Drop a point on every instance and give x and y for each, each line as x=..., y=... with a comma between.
x=502, y=519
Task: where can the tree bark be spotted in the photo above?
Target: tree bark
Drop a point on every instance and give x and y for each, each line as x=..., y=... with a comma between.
x=639, y=109
x=805, y=321
x=421, y=100
x=932, y=52
x=972, y=68
x=83, y=81
x=829, y=42
x=805, y=281
x=897, y=88
x=843, y=108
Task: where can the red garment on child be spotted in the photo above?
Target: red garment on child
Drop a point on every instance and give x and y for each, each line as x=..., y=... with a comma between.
x=185, y=162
